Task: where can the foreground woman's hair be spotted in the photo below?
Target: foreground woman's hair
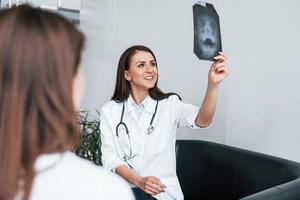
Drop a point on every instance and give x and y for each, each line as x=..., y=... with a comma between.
x=39, y=57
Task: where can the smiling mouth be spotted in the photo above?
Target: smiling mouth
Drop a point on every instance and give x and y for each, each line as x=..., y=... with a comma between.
x=149, y=77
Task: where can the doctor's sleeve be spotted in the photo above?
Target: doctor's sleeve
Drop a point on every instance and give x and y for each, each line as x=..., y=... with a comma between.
x=186, y=114
x=110, y=157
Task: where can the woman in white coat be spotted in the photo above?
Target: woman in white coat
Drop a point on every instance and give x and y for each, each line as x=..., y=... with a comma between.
x=138, y=125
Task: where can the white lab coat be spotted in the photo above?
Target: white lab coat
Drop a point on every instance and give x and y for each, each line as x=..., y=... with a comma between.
x=65, y=176
x=154, y=153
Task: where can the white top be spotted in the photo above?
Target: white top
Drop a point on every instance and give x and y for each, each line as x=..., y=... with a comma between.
x=67, y=176
x=153, y=154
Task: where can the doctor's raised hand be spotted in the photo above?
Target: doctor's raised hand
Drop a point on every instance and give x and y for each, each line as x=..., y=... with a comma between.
x=218, y=71
x=139, y=124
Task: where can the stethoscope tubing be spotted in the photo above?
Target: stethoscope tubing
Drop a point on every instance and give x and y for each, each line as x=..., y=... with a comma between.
x=149, y=130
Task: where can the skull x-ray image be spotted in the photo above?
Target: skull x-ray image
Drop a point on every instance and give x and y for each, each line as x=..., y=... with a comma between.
x=207, y=34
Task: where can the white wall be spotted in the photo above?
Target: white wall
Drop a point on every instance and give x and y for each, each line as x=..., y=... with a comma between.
x=258, y=105
x=263, y=112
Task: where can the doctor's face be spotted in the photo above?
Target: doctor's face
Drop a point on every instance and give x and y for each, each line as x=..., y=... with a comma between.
x=207, y=36
x=142, y=72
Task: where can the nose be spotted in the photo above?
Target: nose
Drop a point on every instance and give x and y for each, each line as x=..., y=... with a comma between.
x=149, y=68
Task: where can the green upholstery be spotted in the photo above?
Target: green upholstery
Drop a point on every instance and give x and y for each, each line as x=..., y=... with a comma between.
x=212, y=171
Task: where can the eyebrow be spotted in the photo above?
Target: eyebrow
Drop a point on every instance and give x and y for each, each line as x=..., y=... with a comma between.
x=144, y=61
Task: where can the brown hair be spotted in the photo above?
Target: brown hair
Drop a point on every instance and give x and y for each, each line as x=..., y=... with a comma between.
x=39, y=57
x=122, y=88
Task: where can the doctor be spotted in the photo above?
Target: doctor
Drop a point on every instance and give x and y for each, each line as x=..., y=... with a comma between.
x=138, y=126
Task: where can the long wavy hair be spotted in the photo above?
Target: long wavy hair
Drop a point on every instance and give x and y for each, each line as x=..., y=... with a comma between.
x=122, y=88
x=39, y=57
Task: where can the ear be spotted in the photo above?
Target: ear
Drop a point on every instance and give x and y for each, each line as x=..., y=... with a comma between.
x=127, y=76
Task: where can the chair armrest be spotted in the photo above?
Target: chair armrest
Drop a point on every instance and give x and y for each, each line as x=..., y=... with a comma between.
x=286, y=191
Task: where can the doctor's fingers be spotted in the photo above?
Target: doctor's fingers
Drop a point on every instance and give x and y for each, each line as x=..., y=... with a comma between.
x=222, y=70
x=219, y=59
x=217, y=65
x=156, y=181
x=152, y=189
x=220, y=56
x=151, y=193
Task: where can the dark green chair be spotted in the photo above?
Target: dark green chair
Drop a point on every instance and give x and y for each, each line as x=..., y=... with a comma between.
x=211, y=171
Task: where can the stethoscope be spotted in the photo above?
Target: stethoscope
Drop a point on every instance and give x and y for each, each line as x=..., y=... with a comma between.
x=149, y=130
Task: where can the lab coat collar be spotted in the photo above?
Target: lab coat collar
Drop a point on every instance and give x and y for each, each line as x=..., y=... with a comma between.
x=148, y=103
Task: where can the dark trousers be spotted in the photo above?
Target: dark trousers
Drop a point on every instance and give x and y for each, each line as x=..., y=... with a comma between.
x=141, y=195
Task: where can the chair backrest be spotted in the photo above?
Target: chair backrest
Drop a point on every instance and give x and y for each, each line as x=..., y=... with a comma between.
x=209, y=170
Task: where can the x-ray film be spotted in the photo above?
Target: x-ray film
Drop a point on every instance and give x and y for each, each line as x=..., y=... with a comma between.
x=207, y=34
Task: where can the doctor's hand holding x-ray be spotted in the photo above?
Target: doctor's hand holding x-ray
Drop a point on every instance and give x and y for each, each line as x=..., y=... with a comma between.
x=138, y=126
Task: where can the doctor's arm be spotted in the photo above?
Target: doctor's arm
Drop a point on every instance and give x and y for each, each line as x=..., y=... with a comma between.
x=150, y=184
x=110, y=157
x=217, y=73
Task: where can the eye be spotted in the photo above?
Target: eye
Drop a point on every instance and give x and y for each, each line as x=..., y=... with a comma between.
x=141, y=65
x=153, y=64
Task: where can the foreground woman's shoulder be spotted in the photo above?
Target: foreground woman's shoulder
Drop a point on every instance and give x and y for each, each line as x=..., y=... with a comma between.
x=71, y=177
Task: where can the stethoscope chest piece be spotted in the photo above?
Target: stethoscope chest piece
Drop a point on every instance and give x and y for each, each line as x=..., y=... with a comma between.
x=149, y=130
